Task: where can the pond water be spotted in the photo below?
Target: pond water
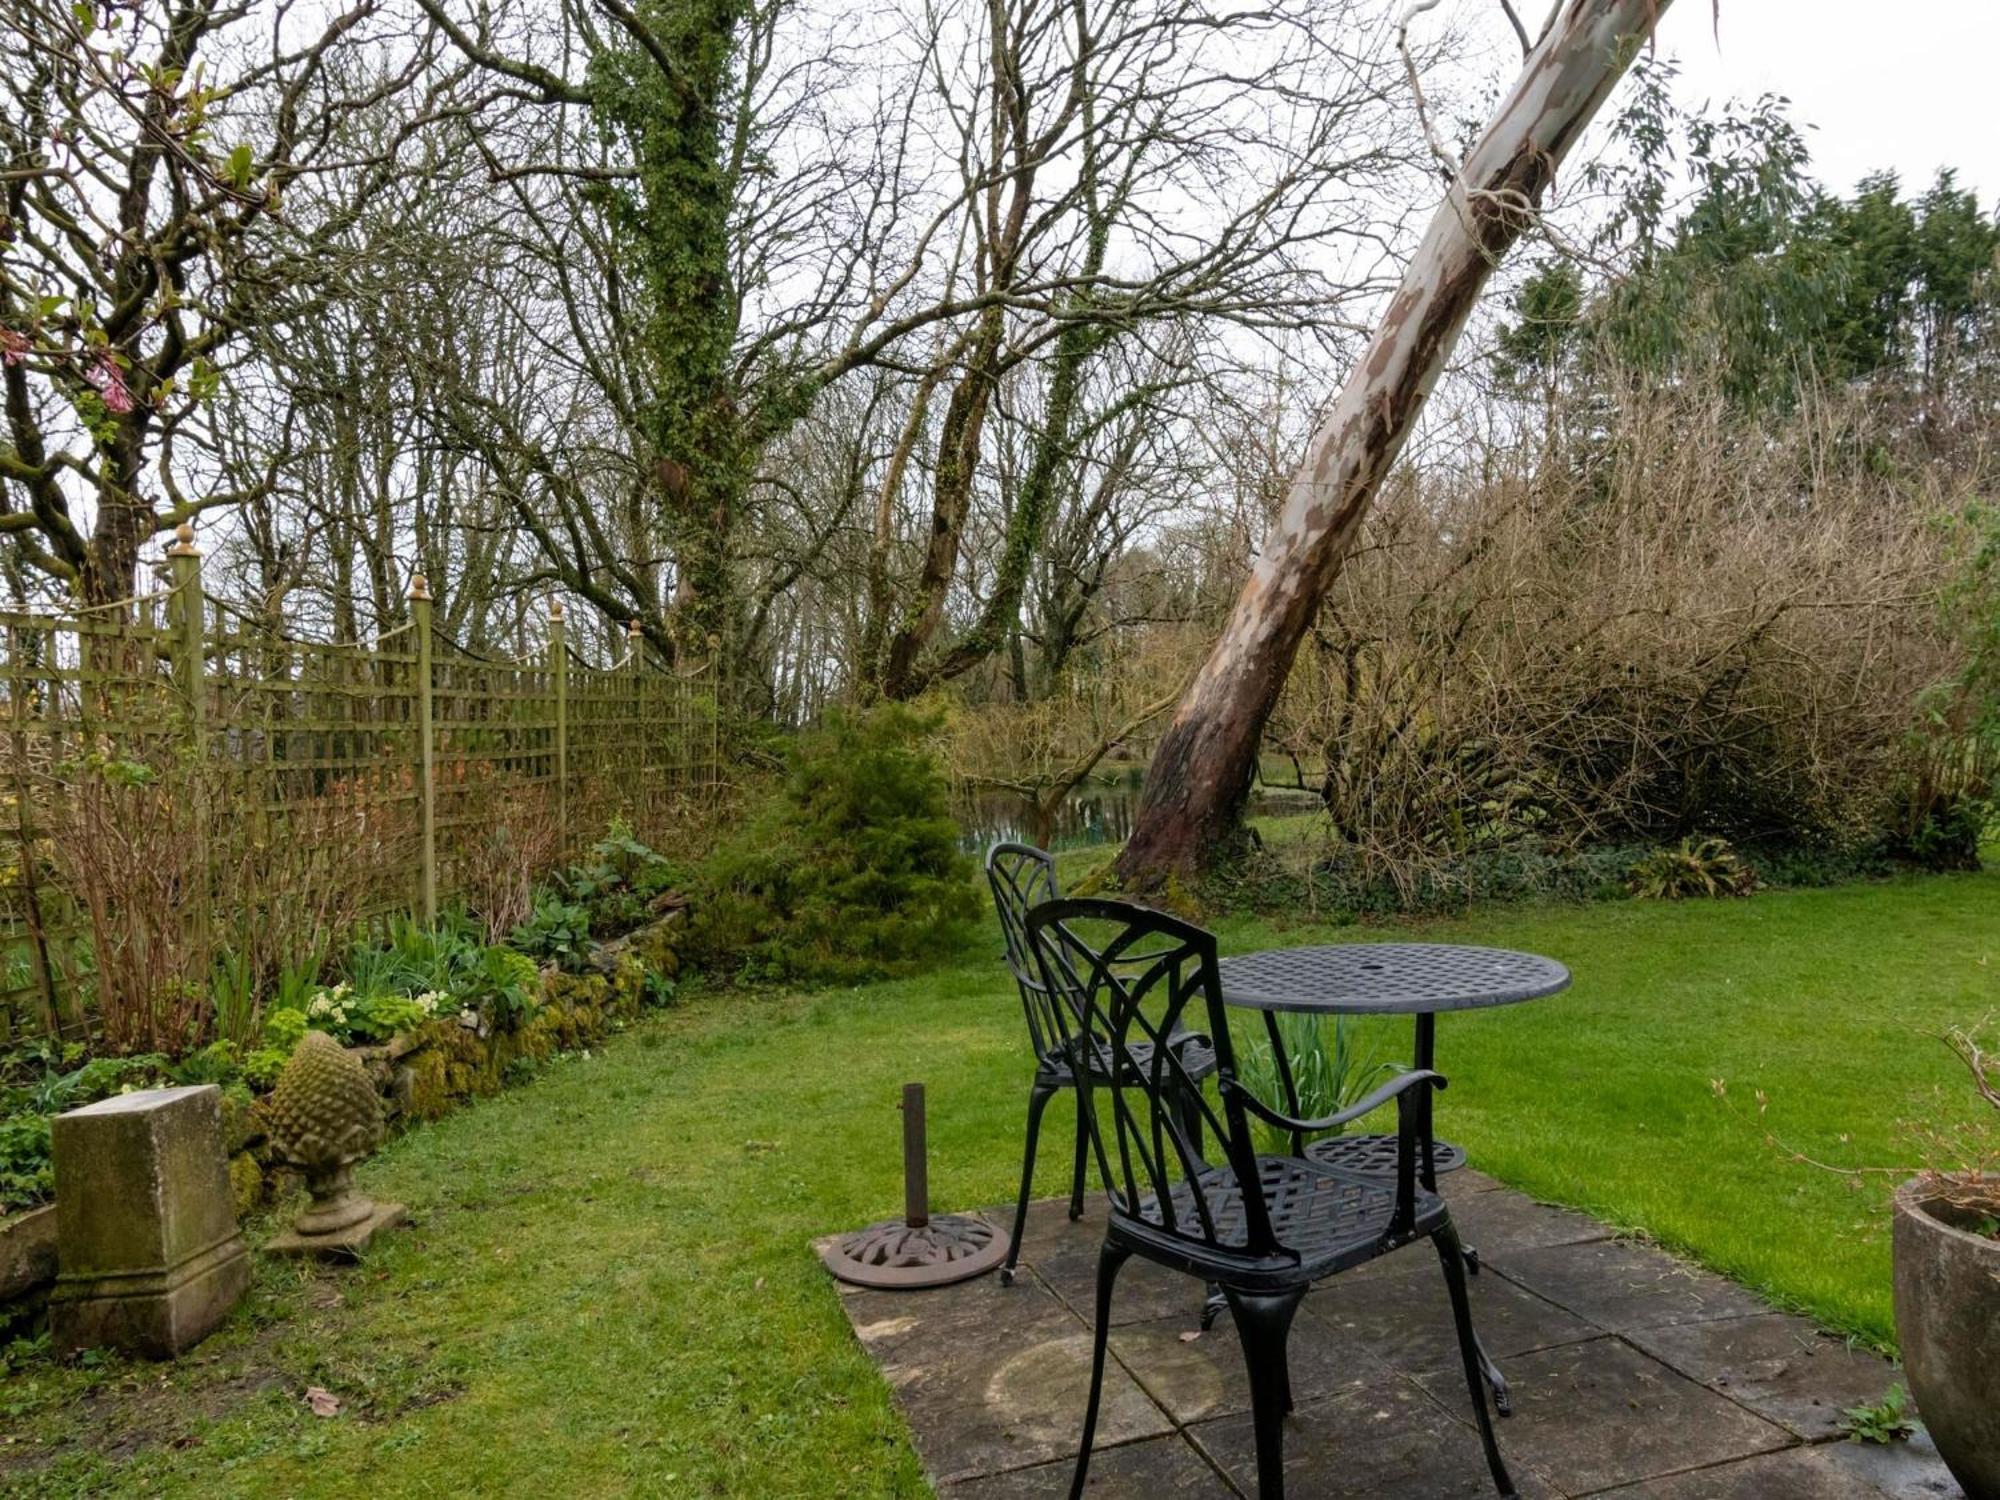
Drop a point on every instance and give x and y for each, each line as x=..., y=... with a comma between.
x=1098, y=812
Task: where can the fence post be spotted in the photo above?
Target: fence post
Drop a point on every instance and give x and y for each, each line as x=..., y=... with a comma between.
x=420, y=621
x=635, y=646
x=559, y=683
x=184, y=624
x=186, y=645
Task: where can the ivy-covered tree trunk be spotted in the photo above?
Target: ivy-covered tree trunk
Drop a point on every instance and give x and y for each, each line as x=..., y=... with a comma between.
x=674, y=223
x=957, y=468
x=1191, y=807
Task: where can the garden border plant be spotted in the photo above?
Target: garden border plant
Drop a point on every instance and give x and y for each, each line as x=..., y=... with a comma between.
x=437, y=1014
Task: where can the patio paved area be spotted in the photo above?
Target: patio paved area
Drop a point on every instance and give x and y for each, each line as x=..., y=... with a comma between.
x=1633, y=1375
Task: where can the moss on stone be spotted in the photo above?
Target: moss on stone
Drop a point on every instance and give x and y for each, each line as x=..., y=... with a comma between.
x=246, y=1182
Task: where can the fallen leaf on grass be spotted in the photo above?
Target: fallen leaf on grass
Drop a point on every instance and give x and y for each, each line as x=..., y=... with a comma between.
x=322, y=1401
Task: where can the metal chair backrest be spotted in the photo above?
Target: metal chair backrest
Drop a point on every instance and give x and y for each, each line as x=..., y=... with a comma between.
x=1132, y=975
x=1023, y=877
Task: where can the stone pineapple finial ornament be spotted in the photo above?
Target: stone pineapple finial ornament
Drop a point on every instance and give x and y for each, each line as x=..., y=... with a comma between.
x=323, y=1117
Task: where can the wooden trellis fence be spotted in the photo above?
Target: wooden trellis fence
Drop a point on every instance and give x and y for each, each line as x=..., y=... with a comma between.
x=412, y=771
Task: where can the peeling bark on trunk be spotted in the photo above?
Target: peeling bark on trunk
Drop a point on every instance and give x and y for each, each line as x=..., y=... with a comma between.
x=1190, y=810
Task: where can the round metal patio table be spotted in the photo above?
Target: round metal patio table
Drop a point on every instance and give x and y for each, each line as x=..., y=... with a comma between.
x=1391, y=979
x=1394, y=979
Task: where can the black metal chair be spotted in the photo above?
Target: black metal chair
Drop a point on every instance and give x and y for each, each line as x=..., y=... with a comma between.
x=1264, y=1227
x=1023, y=877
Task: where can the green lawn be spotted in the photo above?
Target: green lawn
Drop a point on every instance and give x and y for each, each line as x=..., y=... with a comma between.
x=609, y=1291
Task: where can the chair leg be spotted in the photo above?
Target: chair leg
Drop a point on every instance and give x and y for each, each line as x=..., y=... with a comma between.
x=1038, y=1100
x=1082, y=1156
x=1109, y=1259
x=1263, y=1323
x=1212, y=1305
x=1478, y=1369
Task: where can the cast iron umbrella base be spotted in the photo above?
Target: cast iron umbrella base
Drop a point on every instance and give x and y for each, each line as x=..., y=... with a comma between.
x=916, y=1250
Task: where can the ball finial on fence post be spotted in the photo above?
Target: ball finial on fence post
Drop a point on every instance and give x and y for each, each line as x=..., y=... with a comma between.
x=632, y=631
x=420, y=586
x=184, y=542
x=555, y=611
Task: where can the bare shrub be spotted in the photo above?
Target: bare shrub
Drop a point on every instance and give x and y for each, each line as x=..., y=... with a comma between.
x=1676, y=625
x=120, y=839
x=169, y=874
x=499, y=861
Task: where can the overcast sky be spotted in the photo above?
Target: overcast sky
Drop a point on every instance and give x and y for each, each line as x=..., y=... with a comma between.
x=1910, y=85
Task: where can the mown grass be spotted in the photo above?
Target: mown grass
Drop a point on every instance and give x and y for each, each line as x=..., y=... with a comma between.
x=610, y=1290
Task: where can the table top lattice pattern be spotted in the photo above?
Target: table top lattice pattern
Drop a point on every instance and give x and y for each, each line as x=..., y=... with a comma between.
x=1388, y=978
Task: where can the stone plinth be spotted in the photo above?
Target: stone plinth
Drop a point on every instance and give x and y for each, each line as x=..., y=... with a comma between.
x=150, y=1257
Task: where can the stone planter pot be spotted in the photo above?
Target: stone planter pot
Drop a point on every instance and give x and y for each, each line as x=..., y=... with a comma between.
x=1948, y=1320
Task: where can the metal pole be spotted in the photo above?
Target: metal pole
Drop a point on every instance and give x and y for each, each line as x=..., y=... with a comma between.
x=916, y=1174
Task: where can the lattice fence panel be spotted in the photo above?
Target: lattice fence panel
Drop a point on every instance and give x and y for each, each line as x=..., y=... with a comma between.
x=302, y=765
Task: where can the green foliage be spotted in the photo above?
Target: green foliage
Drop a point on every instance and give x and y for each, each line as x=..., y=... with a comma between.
x=1948, y=834
x=413, y=975
x=216, y=1063
x=1534, y=352
x=262, y=1066
x=414, y=959
x=1888, y=1421
x=1329, y=1070
x=232, y=989
x=509, y=987
x=1693, y=867
x=851, y=870
x=558, y=931
x=27, y=1174
x=618, y=884
x=44, y=1080
x=283, y=1029
x=1763, y=280
x=1342, y=888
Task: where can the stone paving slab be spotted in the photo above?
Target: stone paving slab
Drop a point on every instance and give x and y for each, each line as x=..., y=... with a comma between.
x=1597, y=1415
x=1404, y=1318
x=1624, y=1286
x=1781, y=1367
x=1388, y=1438
x=992, y=1377
x=1634, y=1377
x=1166, y=1468
x=1194, y=1375
x=1497, y=1223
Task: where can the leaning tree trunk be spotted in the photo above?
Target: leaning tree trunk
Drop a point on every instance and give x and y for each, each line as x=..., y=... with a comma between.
x=1191, y=807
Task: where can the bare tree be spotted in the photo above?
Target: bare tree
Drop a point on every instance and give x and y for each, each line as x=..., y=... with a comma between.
x=724, y=238
x=1192, y=803
x=150, y=153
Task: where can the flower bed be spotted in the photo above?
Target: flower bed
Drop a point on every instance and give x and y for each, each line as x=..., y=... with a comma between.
x=452, y=1053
